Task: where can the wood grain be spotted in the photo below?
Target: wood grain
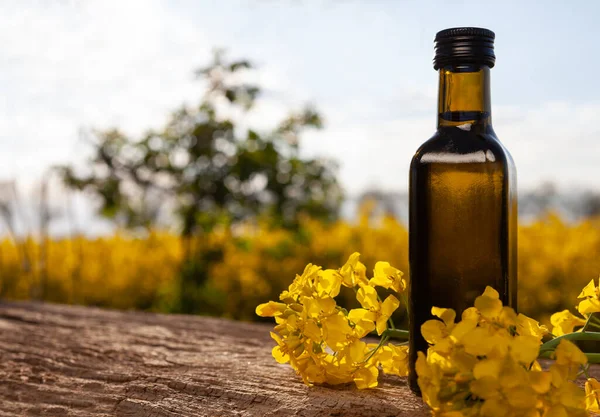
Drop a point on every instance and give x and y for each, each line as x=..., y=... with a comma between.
x=60, y=360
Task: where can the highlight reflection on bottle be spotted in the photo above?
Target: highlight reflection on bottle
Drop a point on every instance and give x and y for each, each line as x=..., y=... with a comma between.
x=463, y=202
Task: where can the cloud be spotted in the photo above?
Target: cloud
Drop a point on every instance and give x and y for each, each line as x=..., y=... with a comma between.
x=101, y=64
x=557, y=141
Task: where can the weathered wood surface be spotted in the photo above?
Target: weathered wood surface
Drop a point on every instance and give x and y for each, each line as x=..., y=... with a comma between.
x=77, y=361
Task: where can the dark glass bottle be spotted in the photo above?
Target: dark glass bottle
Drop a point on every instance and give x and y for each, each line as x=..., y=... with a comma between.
x=463, y=202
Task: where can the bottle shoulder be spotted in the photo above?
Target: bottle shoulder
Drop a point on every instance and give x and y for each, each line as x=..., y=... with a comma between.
x=459, y=145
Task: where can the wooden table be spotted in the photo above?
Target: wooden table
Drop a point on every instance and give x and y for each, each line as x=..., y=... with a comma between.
x=78, y=361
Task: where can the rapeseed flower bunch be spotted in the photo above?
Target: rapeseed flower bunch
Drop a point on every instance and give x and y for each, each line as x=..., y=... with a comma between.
x=485, y=365
x=322, y=341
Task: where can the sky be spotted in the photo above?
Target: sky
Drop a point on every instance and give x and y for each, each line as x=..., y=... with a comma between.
x=69, y=66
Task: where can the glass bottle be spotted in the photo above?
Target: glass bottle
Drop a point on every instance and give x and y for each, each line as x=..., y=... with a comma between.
x=463, y=201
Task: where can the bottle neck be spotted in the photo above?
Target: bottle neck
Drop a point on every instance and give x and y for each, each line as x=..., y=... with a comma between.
x=464, y=96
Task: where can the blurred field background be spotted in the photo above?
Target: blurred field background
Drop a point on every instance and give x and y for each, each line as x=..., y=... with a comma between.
x=234, y=269
x=209, y=214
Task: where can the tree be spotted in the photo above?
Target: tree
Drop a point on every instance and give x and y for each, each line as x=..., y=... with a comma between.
x=204, y=169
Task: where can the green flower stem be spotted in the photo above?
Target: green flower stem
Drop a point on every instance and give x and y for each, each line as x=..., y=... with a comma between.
x=405, y=300
x=584, y=370
x=587, y=323
x=593, y=357
x=398, y=334
x=552, y=344
x=595, y=320
x=592, y=321
x=383, y=341
x=547, y=349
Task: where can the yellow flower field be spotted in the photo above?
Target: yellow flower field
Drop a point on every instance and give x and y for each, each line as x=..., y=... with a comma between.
x=252, y=264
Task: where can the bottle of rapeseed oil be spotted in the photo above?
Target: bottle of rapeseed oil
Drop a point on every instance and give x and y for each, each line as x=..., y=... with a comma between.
x=463, y=201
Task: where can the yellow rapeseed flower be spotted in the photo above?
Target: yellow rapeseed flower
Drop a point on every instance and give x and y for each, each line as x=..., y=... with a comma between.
x=369, y=299
x=271, y=309
x=363, y=321
x=386, y=276
x=592, y=395
x=394, y=360
x=488, y=304
x=353, y=272
x=591, y=302
x=565, y=322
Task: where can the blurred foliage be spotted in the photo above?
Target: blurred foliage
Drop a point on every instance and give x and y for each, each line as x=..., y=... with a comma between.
x=205, y=167
x=252, y=263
